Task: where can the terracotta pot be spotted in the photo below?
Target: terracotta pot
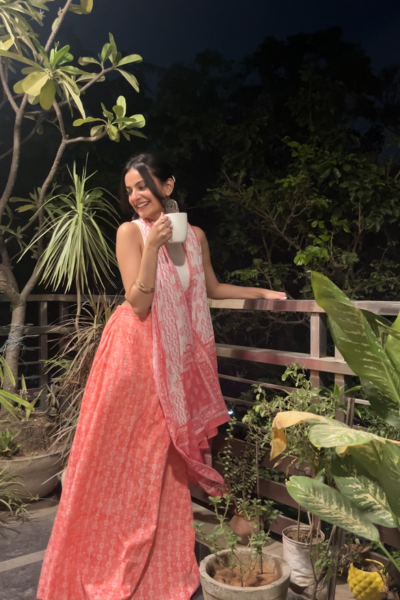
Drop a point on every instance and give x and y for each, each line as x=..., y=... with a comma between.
x=243, y=527
x=34, y=475
x=214, y=590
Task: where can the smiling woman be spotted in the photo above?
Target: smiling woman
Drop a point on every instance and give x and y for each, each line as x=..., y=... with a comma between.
x=154, y=385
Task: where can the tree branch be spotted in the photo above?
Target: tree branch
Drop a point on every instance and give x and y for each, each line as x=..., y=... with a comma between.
x=86, y=139
x=8, y=283
x=15, y=159
x=26, y=138
x=60, y=120
x=6, y=89
x=60, y=19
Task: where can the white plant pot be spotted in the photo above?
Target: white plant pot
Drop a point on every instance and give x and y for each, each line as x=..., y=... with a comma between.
x=297, y=555
x=214, y=590
x=34, y=475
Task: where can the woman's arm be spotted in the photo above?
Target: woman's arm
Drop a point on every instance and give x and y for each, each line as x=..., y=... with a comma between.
x=222, y=291
x=137, y=263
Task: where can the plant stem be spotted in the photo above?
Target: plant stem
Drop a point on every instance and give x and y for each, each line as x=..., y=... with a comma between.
x=78, y=303
x=389, y=556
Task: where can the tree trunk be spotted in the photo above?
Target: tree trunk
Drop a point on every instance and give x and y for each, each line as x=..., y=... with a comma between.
x=15, y=337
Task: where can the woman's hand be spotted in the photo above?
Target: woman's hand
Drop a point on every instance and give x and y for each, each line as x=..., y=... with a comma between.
x=160, y=233
x=271, y=295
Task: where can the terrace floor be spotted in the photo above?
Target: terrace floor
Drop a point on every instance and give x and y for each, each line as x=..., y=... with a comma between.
x=23, y=544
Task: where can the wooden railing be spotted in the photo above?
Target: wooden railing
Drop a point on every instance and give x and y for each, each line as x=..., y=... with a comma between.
x=316, y=360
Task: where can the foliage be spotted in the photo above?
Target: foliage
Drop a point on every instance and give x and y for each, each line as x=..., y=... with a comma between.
x=223, y=537
x=375, y=424
x=365, y=472
x=47, y=83
x=8, y=447
x=71, y=367
x=13, y=403
x=304, y=397
x=377, y=360
x=10, y=498
x=75, y=240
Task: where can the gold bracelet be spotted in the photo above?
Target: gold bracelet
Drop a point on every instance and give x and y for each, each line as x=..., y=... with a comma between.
x=143, y=288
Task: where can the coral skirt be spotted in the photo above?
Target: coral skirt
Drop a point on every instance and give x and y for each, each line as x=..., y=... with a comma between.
x=123, y=528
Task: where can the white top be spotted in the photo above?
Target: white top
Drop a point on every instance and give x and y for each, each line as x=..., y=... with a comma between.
x=179, y=258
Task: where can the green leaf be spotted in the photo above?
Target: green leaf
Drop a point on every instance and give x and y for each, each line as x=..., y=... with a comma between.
x=79, y=122
x=47, y=95
x=137, y=134
x=107, y=113
x=130, y=59
x=113, y=133
x=96, y=130
x=381, y=404
x=331, y=506
x=389, y=476
x=33, y=83
x=86, y=60
x=130, y=79
x=85, y=7
x=369, y=456
x=392, y=346
x=19, y=58
x=113, y=47
x=356, y=484
x=331, y=433
x=355, y=338
x=105, y=53
x=122, y=102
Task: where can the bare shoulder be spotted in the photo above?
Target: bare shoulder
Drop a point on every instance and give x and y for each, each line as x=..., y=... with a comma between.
x=128, y=230
x=200, y=234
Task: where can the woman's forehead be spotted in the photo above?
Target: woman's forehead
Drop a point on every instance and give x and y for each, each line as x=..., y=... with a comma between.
x=132, y=178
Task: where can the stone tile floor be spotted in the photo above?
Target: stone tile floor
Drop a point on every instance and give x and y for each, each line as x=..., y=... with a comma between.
x=23, y=544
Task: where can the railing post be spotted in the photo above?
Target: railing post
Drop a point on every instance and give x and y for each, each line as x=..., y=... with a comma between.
x=318, y=344
x=44, y=350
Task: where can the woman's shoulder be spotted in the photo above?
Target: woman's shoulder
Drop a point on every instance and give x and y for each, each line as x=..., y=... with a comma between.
x=129, y=228
x=200, y=233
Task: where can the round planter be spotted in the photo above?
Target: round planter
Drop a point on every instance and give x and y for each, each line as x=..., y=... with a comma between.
x=214, y=590
x=297, y=555
x=243, y=528
x=365, y=585
x=34, y=475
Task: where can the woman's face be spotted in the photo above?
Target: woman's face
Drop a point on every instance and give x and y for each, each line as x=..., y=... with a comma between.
x=140, y=197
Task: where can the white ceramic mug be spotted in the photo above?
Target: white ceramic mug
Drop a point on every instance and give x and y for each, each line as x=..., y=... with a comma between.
x=179, y=227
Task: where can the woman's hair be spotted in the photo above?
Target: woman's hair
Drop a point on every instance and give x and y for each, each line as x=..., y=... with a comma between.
x=149, y=166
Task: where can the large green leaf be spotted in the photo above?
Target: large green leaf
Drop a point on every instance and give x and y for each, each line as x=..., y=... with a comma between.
x=381, y=404
x=390, y=476
x=364, y=492
x=392, y=346
x=369, y=456
x=331, y=506
x=355, y=338
x=331, y=433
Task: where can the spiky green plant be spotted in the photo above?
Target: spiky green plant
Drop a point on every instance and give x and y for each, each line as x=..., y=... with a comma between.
x=76, y=243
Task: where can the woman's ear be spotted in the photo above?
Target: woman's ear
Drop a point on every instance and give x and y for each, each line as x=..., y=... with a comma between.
x=169, y=187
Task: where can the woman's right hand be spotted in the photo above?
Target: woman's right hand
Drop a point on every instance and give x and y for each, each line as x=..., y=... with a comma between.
x=160, y=233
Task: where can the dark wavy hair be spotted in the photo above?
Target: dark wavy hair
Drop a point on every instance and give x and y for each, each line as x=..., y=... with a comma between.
x=149, y=166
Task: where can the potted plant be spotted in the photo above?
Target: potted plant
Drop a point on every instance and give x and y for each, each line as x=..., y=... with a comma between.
x=25, y=440
x=301, y=542
x=238, y=572
x=365, y=576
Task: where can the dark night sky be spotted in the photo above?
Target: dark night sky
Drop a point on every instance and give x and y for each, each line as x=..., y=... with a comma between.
x=165, y=31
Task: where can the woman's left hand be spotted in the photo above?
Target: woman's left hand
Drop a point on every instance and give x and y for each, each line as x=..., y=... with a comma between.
x=271, y=295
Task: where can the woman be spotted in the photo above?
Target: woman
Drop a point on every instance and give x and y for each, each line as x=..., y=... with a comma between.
x=151, y=404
